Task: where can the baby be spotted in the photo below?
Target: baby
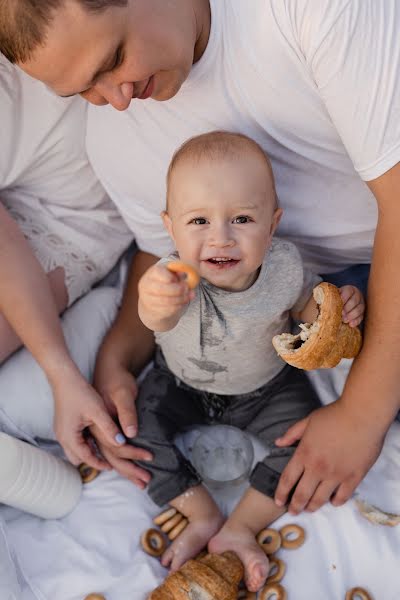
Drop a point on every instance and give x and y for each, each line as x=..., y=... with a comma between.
x=215, y=362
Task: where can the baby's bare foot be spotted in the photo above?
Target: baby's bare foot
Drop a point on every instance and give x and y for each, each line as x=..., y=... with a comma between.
x=189, y=543
x=242, y=541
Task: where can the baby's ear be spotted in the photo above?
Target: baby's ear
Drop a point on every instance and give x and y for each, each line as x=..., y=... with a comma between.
x=276, y=217
x=167, y=223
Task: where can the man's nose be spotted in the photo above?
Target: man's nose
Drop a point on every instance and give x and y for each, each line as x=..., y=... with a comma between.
x=118, y=95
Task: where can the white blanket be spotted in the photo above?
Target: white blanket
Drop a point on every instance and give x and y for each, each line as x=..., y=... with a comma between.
x=96, y=548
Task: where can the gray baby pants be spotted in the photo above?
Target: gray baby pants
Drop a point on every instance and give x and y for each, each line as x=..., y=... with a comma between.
x=167, y=406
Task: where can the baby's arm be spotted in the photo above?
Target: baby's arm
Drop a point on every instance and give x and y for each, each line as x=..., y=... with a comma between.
x=163, y=297
x=353, y=307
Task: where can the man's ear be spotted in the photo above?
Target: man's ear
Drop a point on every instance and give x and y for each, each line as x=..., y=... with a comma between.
x=276, y=217
x=167, y=223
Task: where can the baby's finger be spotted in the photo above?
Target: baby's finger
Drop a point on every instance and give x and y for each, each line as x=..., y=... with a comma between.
x=346, y=292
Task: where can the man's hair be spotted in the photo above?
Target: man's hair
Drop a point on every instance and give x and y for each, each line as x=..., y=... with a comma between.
x=214, y=146
x=24, y=23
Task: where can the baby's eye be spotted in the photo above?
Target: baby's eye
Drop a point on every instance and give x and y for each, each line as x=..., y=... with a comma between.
x=241, y=219
x=199, y=221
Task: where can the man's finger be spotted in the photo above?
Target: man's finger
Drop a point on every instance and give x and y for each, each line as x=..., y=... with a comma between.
x=344, y=492
x=124, y=401
x=293, y=434
x=321, y=496
x=303, y=493
x=290, y=476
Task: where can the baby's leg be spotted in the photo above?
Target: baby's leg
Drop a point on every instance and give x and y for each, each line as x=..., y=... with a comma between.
x=9, y=341
x=205, y=520
x=253, y=513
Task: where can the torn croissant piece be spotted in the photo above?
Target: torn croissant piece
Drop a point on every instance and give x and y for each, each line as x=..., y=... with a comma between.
x=212, y=577
x=376, y=515
x=322, y=344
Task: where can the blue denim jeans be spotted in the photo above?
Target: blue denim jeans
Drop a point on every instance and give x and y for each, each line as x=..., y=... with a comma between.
x=355, y=275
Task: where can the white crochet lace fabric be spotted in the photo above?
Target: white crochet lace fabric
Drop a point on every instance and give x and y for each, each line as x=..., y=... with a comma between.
x=86, y=252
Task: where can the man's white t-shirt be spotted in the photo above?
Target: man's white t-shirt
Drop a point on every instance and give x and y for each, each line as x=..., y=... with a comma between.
x=315, y=82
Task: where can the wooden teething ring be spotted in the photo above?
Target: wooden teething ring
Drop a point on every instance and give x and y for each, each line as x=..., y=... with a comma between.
x=280, y=572
x=358, y=593
x=292, y=544
x=269, y=540
x=153, y=542
x=87, y=473
x=273, y=591
x=192, y=276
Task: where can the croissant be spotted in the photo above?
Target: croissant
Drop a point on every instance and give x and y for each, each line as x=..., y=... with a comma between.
x=212, y=577
x=325, y=342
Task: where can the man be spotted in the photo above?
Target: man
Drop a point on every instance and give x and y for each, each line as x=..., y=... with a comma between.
x=316, y=84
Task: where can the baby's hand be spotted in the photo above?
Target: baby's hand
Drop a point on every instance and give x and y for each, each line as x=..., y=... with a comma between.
x=353, y=305
x=162, y=295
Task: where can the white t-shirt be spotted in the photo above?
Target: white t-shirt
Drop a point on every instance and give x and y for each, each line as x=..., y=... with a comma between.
x=48, y=185
x=315, y=82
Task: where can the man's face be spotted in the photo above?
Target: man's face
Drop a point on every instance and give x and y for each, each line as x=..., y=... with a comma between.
x=144, y=49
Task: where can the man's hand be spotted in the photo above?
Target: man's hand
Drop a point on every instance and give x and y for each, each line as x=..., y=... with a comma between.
x=78, y=406
x=336, y=450
x=353, y=305
x=118, y=388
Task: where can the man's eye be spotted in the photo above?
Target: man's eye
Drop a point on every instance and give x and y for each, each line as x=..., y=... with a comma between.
x=199, y=221
x=241, y=219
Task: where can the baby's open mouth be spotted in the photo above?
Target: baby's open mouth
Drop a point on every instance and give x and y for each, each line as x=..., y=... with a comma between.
x=222, y=262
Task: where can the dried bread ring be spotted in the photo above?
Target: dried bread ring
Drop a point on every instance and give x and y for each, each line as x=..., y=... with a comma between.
x=291, y=543
x=358, y=593
x=95, y=597
x=192, y=276
x=153, y=542
x=87, y=473
x=269, y=540
x=170, y=524
x=273, y=591
x=177, y=530
x=325, y=342
x=277, y=576
x=164, y=516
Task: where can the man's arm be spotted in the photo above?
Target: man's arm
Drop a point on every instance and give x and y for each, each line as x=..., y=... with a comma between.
x=340, y=442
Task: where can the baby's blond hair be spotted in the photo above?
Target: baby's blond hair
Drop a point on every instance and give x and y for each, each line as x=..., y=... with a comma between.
x=213, y=146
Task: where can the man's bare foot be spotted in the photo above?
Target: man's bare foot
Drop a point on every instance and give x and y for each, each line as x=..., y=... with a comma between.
x=192, y=539
x=241, y=540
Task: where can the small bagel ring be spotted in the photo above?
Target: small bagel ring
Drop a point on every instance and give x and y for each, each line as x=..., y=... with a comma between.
x=357, y=593
x=95, y=597
x=292, y=544
x=87, y=472
x=153, y=542
x=192, y=276
x=273, y=591
x=269, y=540
x=280, y=570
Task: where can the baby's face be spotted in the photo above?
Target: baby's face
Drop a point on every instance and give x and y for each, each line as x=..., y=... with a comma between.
x=222, y=217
